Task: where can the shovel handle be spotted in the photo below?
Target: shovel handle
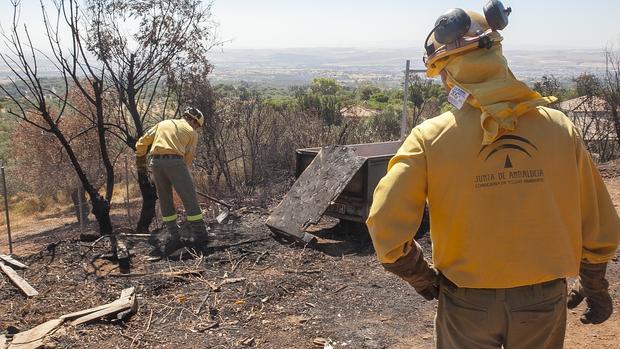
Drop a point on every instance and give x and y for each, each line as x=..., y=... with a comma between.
x=228, y=206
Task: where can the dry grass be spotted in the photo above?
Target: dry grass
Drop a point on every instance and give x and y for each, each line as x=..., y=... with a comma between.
x=24, y=208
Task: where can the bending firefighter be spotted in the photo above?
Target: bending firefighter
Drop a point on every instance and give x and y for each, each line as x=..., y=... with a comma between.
x=172, y=146
x=516, y=203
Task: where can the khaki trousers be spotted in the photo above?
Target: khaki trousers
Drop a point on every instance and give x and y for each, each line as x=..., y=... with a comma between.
x=527, y=317
x=169, y=173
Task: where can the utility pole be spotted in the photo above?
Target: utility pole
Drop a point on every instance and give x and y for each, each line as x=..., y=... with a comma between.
x=6, y=209
x=403, y=119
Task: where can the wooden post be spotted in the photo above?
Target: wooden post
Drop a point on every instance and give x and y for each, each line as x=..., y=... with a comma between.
x=127, y=189
x=6, y=210
x=403, y=119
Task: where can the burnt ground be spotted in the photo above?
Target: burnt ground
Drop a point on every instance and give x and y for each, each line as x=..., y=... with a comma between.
x=248, y=290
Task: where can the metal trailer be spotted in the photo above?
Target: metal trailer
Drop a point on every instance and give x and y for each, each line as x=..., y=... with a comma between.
x=337, y=181
x=353, y=204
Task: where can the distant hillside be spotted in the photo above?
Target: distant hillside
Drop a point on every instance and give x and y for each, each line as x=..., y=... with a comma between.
x=384, y=67
x=285, y=67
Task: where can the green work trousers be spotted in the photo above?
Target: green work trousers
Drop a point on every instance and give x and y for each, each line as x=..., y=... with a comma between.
x=169, y=173
x=527, y=317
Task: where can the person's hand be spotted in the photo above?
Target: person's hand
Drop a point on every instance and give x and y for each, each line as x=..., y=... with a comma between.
x=141, y=164
x=414, y=269
x=593, y=287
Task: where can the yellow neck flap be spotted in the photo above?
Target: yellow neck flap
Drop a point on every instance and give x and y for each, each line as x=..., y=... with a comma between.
x=493, y=89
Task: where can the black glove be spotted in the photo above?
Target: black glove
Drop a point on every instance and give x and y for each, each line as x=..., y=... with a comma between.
x=592, y=286
x=414, y=269
x=141, y=164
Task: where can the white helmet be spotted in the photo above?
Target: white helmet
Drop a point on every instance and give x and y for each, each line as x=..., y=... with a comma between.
x=195, y=114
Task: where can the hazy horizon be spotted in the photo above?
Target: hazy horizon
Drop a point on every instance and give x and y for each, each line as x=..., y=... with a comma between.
x=279, y=24
x=288, y=42
x=285, y=67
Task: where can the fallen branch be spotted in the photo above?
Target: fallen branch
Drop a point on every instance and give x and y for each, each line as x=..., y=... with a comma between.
x=167, y=273
x=231, y=281
x=202, y=304
x=228, y=206
x=340, y=288
x=249, y=241
x=92, y=246
x=309, y=271
x=236, y=264
x=148, y=324
x=259, y=258
x=137, y=236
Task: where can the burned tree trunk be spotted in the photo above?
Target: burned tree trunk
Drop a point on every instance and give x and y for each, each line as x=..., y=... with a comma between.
x=31, y=96
x=139, y=74
x=149, y=199
x=101, y=206
x=147, y=189
x=101, y=210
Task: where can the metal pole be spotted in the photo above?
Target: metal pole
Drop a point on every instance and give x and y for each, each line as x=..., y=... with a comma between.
x=403, y=120
x=80, y=190
x=6, y=210
x=127, y=188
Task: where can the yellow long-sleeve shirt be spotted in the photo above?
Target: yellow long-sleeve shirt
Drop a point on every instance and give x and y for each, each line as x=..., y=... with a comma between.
x=522, y=210
x=175, y=137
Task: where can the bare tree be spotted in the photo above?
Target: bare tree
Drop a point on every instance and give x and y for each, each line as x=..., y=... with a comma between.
x=148, y=68
x=44, y=108
x=611, y=87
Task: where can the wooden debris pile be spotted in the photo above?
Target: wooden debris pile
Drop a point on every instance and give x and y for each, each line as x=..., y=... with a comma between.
x=123, y=307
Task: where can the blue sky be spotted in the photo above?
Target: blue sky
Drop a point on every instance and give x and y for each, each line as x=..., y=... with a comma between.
x=549, y=24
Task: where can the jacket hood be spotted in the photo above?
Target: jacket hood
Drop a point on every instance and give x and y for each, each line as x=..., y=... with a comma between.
x=492, y=88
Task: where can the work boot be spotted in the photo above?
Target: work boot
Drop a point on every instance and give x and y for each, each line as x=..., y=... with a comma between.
x=167, y=240
x=194, y=234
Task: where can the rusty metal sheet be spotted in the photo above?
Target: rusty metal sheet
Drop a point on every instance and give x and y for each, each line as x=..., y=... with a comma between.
x=320, y=184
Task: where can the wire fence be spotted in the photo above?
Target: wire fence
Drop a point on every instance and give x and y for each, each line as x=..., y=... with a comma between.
x=22, y=208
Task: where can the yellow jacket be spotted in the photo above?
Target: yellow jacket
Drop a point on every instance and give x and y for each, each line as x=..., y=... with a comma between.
x=521, y=210
x=176, y=137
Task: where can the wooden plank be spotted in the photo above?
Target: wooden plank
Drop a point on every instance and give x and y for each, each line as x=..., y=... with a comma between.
x=113, y=308
x=125, y=295
x=315, y=189
x=127, y=292
x=10, y=260
x=24, y=286
x=133, y=300
x=80, y=313
x=34, y=337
